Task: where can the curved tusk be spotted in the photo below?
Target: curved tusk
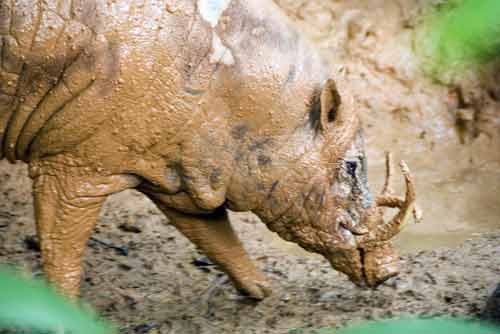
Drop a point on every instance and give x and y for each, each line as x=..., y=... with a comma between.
x=392, y=201
x=355, y=229
x=387, y=189
x=393, y=227
x=373, y=218
x=410, y=186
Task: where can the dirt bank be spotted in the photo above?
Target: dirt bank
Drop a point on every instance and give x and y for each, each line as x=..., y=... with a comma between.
x=150, y=284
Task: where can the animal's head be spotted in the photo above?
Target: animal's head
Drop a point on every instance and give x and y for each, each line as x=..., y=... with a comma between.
x=317, y=193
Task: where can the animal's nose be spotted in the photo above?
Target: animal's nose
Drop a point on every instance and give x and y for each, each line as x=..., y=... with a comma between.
x=380, y=264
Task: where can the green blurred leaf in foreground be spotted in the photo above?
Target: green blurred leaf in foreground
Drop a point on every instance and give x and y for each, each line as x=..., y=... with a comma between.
x=460, y=34
x=420, y=326
x=31, y=304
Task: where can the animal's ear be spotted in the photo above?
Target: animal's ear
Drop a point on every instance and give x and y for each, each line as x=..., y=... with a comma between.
x=330, y=103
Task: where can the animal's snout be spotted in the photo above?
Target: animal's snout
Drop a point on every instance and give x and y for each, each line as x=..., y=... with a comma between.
x=379, y=264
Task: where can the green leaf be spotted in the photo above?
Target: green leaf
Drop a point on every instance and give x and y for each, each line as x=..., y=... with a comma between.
x=31, y=304
x=459, y=35
x=421, y=326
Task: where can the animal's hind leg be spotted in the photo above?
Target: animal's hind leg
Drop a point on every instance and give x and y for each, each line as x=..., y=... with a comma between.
x=213, y=234
x=66, y=210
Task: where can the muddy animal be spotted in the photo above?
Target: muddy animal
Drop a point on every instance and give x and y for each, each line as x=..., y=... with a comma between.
x=203, y=106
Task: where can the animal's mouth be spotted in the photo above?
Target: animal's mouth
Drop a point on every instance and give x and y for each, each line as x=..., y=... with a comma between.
x=378, y=264
x=374, y=260
x=366, y=267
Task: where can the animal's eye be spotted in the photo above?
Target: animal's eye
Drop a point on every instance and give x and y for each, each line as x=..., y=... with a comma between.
x=351, y=168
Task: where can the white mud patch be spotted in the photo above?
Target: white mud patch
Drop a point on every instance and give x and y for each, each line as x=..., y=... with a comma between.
x=220, y=53
x=211, y=10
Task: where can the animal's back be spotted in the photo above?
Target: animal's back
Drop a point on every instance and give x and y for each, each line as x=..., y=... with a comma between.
x=69, y=66
x=41, y=44
x=125, y=77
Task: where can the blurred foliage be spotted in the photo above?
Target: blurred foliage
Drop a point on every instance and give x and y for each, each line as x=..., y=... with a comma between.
x=420, y=326
x=458, y=35
x=31, y=306
x=409, y=326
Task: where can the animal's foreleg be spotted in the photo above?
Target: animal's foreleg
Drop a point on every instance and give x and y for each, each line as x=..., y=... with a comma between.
x=66, y=210
x=214, y=235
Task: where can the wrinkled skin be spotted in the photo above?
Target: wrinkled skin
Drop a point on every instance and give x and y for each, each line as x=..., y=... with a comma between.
x=202, y=106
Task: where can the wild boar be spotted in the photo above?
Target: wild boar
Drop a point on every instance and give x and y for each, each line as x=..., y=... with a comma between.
x=203, y=106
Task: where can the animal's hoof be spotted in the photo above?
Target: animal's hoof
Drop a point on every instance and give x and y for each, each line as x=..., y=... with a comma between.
x=256, y=288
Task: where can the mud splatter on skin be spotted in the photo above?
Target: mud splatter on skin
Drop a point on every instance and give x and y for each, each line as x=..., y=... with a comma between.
x=151, y=285
x=211, y=10
x=220, y=53
x=144, y=104
x=239, y=132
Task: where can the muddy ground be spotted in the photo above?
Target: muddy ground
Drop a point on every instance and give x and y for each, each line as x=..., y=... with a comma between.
x=155, y=281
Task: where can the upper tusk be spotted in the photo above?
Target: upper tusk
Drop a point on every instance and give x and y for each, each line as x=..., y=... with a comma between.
x=410, y=185
x=392, y=201
x=348, y=223
x=407, y=206
x=387, y=231
x=387, y=189
x=387, y=198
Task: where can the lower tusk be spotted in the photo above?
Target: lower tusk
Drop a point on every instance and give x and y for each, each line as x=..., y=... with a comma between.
x=410, y=186
x=392, y=201
x=381, y=231
x=355, y=229
x=347, y=223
